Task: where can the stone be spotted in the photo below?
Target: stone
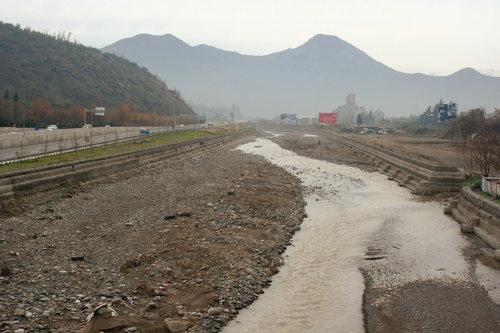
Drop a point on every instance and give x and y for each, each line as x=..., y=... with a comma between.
x=496, y=255
x=176, y=325
x=150, y=306
x=19, y=312
x=215, y=311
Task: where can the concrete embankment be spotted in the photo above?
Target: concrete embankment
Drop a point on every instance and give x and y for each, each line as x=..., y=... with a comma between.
x=421, y=177
x=479, y=215
x=34, y=180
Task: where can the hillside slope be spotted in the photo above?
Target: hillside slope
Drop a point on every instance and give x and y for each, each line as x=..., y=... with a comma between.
x=314, y=77
x=66, y=74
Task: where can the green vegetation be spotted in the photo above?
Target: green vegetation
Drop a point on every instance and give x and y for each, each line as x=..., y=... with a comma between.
x=125, y=147
x=50, y=79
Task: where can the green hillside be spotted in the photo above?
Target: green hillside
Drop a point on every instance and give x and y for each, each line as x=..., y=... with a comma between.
x=66, y=74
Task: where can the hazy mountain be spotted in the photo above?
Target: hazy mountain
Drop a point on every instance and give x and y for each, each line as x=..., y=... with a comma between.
x=314, y=77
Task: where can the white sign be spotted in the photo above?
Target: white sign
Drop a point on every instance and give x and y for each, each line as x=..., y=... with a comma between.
x=99, y=111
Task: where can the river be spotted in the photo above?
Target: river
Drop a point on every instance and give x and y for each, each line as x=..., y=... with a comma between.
x=320, y=286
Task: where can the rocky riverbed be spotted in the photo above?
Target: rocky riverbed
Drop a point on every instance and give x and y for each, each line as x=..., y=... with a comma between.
x=179, y=246
x=421, y=274
x=184, y=245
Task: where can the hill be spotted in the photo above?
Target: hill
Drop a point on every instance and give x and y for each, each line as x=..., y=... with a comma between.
x=314, y=77
x=65, y=74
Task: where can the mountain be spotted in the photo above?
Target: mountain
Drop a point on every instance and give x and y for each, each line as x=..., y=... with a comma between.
x=314, y=77
x=64, y=73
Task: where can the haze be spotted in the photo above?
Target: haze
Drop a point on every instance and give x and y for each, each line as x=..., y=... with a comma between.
x=432, y=37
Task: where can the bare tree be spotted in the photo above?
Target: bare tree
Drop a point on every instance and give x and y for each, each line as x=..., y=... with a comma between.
x=476, y=138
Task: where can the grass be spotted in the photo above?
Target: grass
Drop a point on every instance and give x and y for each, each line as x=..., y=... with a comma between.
x=118, y=148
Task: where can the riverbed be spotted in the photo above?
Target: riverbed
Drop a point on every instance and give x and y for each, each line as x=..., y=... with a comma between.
x=355, y=220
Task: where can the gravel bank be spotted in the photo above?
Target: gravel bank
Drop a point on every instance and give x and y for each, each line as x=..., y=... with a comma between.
x=178, y=246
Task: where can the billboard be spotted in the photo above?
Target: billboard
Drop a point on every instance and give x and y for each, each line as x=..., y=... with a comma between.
x=328, y=117
x=288, y=118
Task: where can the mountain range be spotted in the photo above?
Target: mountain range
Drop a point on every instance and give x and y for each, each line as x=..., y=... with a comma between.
x=314, y=77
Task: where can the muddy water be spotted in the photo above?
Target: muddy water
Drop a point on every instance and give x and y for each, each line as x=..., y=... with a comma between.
x=320, y=287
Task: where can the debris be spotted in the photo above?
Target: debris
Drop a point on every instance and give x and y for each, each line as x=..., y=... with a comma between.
x=98, y=311
x=183, y=214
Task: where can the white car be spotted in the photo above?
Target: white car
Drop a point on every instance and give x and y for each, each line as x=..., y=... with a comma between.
x=87, y=126
x=51, y=127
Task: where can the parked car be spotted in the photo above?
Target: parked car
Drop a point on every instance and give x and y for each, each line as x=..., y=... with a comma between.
x=51, y=127
x=87, y=126
x=107, y=126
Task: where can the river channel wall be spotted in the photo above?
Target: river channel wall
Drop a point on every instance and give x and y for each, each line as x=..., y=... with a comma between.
x=477, y=214
x=23, y=182
x=421, y=177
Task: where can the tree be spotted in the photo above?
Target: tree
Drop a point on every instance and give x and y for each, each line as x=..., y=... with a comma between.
x=476, y=138
x=359, y=119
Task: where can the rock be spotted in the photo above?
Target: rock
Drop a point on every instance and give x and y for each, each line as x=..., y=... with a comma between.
x=105, y=312
x=151, y=306
x=129, y=224
x=496, y=255
x=215, y=311
x=176, y=325
x=19, y=312
x=183, y=214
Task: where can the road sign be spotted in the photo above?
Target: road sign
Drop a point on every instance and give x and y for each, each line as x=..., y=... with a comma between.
x=99, y=111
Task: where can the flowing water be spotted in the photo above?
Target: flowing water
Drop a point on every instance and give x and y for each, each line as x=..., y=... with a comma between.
x=320, y=287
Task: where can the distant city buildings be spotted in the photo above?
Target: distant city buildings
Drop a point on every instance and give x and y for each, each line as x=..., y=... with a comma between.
x=352, y=115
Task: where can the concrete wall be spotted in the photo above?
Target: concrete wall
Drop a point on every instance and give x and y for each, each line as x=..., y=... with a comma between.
x=477, y=214
x=18, y=138
x=420, y=177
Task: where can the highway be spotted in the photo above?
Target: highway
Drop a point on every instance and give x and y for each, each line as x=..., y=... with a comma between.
x=18, y=144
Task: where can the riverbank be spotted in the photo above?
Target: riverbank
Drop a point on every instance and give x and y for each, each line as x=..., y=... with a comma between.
x=436, y=298
x=186, y=245
x=182, y=245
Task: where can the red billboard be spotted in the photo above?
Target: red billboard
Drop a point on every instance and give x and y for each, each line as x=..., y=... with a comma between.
x=328, y=117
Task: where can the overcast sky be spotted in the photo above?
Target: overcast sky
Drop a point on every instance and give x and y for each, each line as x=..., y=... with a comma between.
x=427, y=36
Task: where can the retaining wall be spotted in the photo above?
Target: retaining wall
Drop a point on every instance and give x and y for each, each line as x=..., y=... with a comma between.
x=421, y=177
x=477, y=214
